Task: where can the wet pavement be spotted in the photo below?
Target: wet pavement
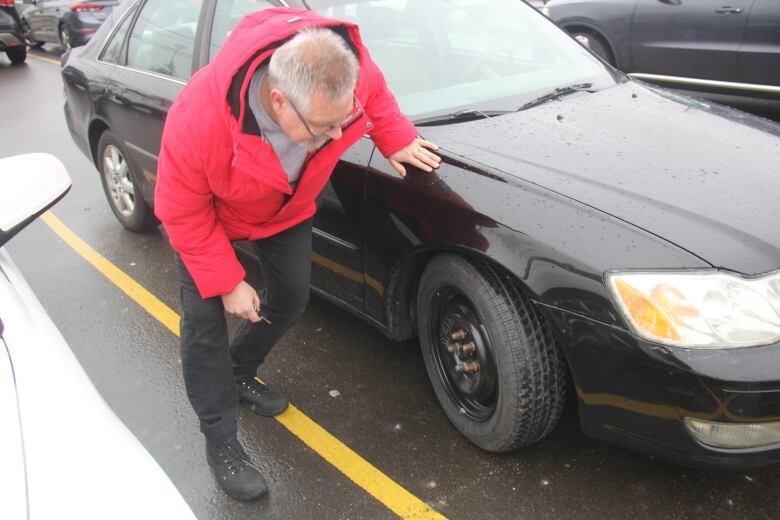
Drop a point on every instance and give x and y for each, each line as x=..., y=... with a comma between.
x=384, y=408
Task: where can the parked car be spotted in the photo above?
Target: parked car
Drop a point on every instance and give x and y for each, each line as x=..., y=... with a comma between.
x=730, y=47
x=11, y=34
x=65, y=22
x=20, y=5
x=63, y=452
x=583, y=227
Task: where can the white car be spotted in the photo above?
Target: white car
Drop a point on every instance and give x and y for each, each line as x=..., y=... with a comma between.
x=63, y=452
x=539, y=4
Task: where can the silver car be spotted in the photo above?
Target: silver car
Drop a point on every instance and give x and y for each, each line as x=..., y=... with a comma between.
x=66, y=22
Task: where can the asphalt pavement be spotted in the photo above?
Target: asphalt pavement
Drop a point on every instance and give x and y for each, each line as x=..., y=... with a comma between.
x=371, y=409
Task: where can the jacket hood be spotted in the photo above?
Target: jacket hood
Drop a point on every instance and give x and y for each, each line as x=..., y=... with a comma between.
x=252, y=42
x=701, y=176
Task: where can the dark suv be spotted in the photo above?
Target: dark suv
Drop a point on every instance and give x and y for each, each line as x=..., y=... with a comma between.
x=721, y=47
x=11, y=34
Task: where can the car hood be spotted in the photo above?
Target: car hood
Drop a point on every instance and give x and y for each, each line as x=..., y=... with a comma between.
x=699, y=175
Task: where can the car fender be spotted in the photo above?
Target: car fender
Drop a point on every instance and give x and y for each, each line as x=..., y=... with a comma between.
x=554, y=247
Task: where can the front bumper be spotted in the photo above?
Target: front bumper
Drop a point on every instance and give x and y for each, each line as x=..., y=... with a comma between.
x=639, y=394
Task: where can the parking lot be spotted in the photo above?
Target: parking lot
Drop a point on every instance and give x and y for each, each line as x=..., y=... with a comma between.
x=366, y=437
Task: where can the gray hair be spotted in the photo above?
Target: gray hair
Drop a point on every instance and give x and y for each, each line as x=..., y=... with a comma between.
x=315, y=59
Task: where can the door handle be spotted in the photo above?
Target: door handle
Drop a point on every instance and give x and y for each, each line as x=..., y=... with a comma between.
x=118, y=95
x=729, y=10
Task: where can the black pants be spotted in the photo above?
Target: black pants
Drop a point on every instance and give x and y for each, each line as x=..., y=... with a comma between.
x=210, y=362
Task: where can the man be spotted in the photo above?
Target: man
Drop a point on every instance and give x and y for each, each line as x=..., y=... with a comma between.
x=248, y=145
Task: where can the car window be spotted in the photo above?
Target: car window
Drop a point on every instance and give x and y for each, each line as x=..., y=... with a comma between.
x=440, y=56
x=114, y=48
x=227, y=14
x=163, y=37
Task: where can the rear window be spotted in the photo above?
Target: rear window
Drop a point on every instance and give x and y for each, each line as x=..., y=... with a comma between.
x=163, y=38
x=111, y=53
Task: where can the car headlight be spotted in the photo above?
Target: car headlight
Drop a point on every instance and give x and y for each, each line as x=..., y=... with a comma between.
x=699, y=309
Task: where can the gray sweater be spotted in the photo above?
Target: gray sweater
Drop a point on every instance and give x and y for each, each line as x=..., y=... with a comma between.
x=291, y=155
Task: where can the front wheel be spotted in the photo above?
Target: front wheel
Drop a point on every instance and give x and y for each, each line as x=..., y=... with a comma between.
x=33, y=44
x=490, y=356
x=120, y=187
x=17, y=54
x=64, y=34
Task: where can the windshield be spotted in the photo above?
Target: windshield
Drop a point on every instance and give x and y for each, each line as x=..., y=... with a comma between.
x=441, y=56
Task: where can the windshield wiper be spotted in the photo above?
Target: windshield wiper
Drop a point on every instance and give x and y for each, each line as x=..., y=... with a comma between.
x=467, y=114
x=557, y=93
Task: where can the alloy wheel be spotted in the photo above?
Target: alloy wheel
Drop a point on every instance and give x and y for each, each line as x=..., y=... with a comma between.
x=118, y=181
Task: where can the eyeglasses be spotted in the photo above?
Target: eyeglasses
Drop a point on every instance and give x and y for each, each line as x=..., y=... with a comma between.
x=357, y=111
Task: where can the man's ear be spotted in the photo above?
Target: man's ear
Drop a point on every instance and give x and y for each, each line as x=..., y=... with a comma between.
x=277, y=100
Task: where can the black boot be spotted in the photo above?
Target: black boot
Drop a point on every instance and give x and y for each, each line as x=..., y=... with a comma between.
x=262, y=399
x=234, y=471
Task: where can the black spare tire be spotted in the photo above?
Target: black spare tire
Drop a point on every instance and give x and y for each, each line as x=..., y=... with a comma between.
x=491, y=357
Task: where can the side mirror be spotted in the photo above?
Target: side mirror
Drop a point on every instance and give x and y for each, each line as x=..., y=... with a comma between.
x=29, y=185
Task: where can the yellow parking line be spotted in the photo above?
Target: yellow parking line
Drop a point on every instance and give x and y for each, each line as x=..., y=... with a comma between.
x=353, y=466
x=130, y=287
x=47, y=60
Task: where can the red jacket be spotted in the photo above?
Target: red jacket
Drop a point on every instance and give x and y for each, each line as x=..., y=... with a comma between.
x=217, y=181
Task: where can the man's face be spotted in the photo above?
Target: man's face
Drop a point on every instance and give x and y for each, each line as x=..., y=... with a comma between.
x=314, y=126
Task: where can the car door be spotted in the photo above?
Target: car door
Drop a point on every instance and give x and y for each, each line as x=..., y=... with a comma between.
x=155, y=66
x=44, y=19
x=759, y=55
x=338, y=230
x=34, y=17
x=688, y=38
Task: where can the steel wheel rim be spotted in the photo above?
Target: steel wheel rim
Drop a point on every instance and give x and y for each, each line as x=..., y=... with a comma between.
x=474, y=393
x=117, y=176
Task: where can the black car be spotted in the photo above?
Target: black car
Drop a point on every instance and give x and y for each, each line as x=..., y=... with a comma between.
x=585, y=234
x=65, y=22
x=729, y=46
x=11, y=34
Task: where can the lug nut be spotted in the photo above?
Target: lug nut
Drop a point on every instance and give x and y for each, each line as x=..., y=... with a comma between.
x=468, y=349
x=469, y=367
x=454, y=347
x=459, y=335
